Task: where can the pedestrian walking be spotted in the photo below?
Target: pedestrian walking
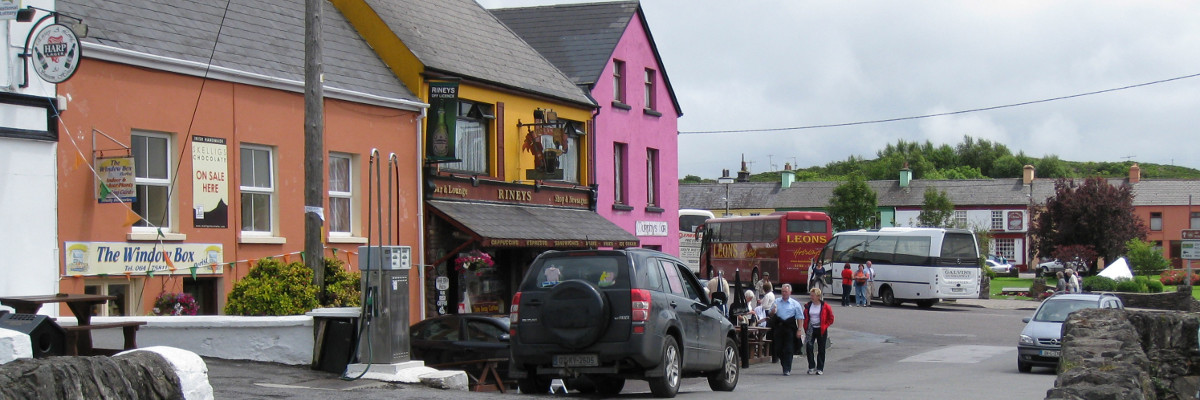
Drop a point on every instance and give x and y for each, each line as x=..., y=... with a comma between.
x=870, y=283
x=1060, y=284
x=818, y=316
x=860, y=286
x=787, y=315
x=816, y=275
x=847, y=278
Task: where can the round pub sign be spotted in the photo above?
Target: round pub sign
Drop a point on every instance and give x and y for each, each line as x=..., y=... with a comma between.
x=56, y=53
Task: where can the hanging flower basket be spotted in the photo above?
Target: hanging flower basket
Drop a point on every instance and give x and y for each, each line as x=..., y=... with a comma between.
x=175, y=304
x=475, y=261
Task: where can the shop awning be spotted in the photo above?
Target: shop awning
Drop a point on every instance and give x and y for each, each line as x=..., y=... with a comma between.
x=507, y=225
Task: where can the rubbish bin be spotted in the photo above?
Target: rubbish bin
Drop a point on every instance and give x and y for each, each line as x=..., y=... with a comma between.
x=334, y=332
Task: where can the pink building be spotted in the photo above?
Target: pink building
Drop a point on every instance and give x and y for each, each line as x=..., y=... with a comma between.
x=607, y=48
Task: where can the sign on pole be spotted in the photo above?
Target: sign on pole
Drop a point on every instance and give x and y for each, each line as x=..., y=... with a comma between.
x=1190, y=245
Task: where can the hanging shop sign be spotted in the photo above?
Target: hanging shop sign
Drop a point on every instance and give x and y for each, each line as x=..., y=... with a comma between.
x=115, y=180
x=56, y=53
x=119, y=258
x=440, y=127
x=210, y=184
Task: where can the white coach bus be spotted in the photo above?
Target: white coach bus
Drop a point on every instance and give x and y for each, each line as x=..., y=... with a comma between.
x=922, y=265
x=689, y=237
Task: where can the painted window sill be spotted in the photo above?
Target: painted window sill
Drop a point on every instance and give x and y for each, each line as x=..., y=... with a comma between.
x=654, y=209
x=621, y=207
x=650, y=112
x=153, y=237
x=623, y=106
x=262, y=239
x=346, y=239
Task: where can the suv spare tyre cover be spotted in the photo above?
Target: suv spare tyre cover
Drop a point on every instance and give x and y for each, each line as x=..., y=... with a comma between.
x=575, y=314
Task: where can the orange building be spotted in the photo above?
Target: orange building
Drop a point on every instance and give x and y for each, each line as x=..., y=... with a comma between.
x=203, y=158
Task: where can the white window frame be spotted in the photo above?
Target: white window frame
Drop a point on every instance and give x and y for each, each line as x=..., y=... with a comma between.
x=270, y=191
x=349, y=195
x=1156, y=221
x=960, y=218
x=144, y=226
x=471, y=137
x=997, y=220
x=1194, y=222
x=652, y=199
x=618, y=81
x=1005, y=247
x=620, y=150
x=648, y=96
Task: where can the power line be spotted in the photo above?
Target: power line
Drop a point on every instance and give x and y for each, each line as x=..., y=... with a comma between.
x=879, y=121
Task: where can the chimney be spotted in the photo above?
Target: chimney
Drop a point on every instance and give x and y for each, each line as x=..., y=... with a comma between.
x=1027, y=175
x=788, y=178
x=1135, y=173
x=905, y=175
x=744, y=174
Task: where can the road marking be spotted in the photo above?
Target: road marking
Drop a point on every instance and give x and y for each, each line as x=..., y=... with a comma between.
x=966, y=354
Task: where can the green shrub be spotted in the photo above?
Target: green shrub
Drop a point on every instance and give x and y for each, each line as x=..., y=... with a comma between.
x=1154, y=286
x=273, y=288
x=341, y=286
x=988, y=271
x=1144, y=258
x=1099, y=284
x=1130, y=286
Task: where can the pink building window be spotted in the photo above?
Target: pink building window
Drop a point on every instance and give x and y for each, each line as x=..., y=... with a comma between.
x=651, y=177
x=619, y=171
x=619, y=81
x=648, y=97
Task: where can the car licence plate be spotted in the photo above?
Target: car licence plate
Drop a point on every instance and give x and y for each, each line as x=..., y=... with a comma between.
x=958, y=290
x=576, y=360
x=1051, y=353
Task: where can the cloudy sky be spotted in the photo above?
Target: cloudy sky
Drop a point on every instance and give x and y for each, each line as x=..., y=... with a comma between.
x=752, y=65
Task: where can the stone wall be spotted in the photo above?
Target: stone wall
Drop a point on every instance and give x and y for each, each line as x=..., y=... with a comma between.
x=1125, y=354
x=1180, y=300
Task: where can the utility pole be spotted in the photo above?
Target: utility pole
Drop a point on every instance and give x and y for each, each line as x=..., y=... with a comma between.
x=314, y=144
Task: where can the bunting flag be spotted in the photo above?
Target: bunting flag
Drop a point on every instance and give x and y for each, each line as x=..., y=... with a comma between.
x=193, y=268
x=286, y=258
x=334, y=250
x=131, y=218
x=128, y=274
x=150, y=273
x=102, y=275
x=252, y=262
x=167, y=258
x=212, y=267
x=301, y=257
x=104, y=191
x=79, y=160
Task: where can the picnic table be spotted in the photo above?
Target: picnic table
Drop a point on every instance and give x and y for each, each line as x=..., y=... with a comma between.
x=79, y=337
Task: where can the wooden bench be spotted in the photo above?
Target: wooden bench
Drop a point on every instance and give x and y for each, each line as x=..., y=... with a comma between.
x=78, y=346
x=489, y=378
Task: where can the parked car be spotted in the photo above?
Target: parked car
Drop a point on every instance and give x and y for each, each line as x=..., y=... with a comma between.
x=456, y=338
x=1040, y=342
x=609, y=315
x=1001, y=269
x=1053, y=266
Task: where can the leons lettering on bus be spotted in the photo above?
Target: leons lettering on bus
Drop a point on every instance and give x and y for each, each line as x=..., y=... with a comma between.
x=728, y=250
x=819, y=239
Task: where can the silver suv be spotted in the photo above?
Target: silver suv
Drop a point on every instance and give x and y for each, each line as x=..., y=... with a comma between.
x=602, y=316
x=1041, y=340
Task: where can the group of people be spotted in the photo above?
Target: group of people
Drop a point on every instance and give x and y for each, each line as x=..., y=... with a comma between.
x=1068, y=282
x=792, y=323
x=863, y=282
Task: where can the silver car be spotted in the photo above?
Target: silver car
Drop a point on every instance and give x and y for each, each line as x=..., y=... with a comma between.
x=1040, y=343
x=1001, y=269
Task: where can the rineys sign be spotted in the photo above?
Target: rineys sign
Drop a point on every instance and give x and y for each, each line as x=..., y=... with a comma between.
x=56, y=53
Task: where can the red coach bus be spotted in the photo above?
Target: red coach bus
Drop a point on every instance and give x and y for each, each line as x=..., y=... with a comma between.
x=782, y=244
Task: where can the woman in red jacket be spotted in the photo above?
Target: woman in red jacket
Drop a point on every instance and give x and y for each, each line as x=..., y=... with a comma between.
x=847, y=278
x=818, y=316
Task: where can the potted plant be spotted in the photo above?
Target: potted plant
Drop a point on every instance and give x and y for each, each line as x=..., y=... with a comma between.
x=474, y=261
x=175, y=304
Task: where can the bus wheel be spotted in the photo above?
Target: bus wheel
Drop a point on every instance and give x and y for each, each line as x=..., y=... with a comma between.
x=889, y=299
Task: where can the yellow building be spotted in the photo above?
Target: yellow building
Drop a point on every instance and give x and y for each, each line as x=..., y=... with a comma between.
x=509, y=171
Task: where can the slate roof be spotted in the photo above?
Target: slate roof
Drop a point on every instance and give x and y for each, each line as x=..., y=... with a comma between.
x=264, y=37
x=508, y=221
x=963, y=193
x=460, y=37
x=580, y=38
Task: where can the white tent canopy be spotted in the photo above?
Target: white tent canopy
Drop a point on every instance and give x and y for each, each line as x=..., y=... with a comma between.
x=1118, y=270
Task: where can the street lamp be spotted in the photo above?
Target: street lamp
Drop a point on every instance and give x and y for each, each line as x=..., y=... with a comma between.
x=726, y=181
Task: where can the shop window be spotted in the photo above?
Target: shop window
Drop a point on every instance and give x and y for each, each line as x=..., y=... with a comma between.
x=471, y=129
x=1156, y=222
x=341, y=194
x=258, y=190
x=619, y=171
x=152, y=180
x=122, y=306
x=569, y=161
x=1006, y=248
